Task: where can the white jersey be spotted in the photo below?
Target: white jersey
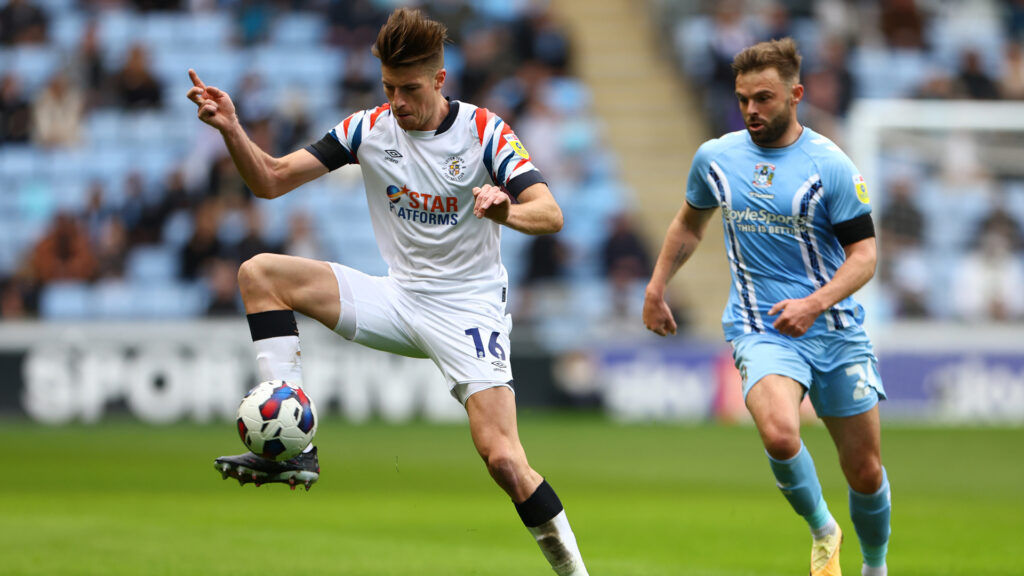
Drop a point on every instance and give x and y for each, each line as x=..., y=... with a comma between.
x=419, y=187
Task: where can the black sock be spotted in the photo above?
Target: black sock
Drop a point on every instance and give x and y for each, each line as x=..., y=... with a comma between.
x=271, y=324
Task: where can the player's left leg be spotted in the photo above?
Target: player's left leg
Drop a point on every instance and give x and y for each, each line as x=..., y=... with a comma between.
x=492, y=422
x=858, y=440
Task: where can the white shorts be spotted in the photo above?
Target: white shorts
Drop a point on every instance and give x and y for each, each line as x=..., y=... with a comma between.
x=468, y=338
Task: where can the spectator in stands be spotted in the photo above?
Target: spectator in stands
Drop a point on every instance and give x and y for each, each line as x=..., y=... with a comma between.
x=972, y=79
x=354, y=23
x=221, y=277
x=987, y=281
x=902, y=221
x=139, y=215
x=546, y=261
x=902, y=24
x=134, y=85
x=22, y=22
x=15, y=113
x=1011, y=81
x=902, y=266
x=829, y=88
x=88, y=68
x=541, y=37
x=1003, y=222
x=19, y=295
x=625, y=261
x=731, y=32
x=96, y=213
x=111, y=250
x=57, y=113
x=64, y=252
x=252, y=243
x=204, y=245
x=301, y=241
x=359, y=87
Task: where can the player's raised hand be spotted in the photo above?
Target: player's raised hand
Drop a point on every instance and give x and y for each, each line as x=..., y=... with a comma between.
x=491, y=202
x=215, y=106
x=658, y=316
x=797, y=316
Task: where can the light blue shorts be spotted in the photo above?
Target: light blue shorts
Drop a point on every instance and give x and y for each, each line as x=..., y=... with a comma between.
x=838, y=369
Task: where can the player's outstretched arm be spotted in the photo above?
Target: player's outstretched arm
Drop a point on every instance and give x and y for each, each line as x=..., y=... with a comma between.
x=681, y=241
x=536, y=211
x=266, y=176
x=798, y=315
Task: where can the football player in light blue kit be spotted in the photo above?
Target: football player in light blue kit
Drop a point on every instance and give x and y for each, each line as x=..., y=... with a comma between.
x=800, y=242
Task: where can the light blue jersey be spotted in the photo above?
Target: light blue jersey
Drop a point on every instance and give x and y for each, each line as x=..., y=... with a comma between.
x=779, y=209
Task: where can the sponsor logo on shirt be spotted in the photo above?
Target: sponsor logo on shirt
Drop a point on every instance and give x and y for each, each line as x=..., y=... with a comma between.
x=862, y=189
x=412, y=206
x=517, y=146
x=392, y=156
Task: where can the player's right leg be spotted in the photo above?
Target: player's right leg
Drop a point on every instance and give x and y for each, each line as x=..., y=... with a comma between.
x=272, y=287
x=492, y=423
x=774, y=402
x=773, y=393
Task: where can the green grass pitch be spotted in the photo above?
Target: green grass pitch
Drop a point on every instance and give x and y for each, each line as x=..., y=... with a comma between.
x=644, y=500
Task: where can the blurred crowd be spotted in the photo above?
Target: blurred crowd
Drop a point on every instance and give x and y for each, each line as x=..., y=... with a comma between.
x=948, y=209
x=120, y=204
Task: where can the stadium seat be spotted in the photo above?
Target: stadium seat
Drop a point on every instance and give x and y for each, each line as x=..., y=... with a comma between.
x=149, y=265
x=298, y=28
x=66, y=301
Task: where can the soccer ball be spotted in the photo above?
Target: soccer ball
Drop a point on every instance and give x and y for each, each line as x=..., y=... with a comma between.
x=276, y=420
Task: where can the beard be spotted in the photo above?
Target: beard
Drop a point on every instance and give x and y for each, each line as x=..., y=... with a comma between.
x=771, y=130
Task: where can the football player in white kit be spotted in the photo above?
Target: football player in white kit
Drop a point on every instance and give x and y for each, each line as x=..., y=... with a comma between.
x=440, y=178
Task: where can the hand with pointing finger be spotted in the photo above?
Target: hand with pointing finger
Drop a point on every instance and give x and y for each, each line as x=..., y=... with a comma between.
x=215, y=106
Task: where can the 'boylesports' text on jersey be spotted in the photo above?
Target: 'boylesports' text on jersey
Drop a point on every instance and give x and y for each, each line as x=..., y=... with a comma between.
x=419, y=187
x=786, y=212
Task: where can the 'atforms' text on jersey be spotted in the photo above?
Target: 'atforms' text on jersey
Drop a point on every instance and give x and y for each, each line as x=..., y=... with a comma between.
x=419, y=187
x=785, y=212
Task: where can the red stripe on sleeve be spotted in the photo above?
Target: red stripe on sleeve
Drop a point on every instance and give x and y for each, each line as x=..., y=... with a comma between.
x=505, y=130
x=520, y=164
x=377, y=112
x=481, y=123
x=344, y=125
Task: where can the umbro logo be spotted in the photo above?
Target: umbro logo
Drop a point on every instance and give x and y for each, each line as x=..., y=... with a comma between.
x=392, y=156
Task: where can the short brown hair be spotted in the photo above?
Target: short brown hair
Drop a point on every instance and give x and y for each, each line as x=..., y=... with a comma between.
x=409, y=39
x=779, y=54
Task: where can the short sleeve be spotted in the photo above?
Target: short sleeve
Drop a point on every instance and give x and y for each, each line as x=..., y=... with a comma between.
x=846, y=192
x=504, y=155
x=699, y=193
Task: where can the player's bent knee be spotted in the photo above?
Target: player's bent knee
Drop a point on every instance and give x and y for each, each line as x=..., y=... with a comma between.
x=781, y=442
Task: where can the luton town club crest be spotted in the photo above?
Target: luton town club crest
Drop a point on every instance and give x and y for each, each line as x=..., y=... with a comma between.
x=763, y=174
x=454, y=168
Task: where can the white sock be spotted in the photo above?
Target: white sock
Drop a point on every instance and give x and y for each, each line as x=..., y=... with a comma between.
x=279, y=358
x=873, y=570
x=558, y=544
x=825, y=530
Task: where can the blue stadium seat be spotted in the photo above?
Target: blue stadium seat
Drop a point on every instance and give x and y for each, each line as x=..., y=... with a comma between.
x=171, y=300
x=150, y=265
x=66, y=301
x=298, y=29
x=116, y=300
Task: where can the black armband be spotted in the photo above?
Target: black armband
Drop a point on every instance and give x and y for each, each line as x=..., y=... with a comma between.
x=854, y=230
x=331, y=153
x=524, y=181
